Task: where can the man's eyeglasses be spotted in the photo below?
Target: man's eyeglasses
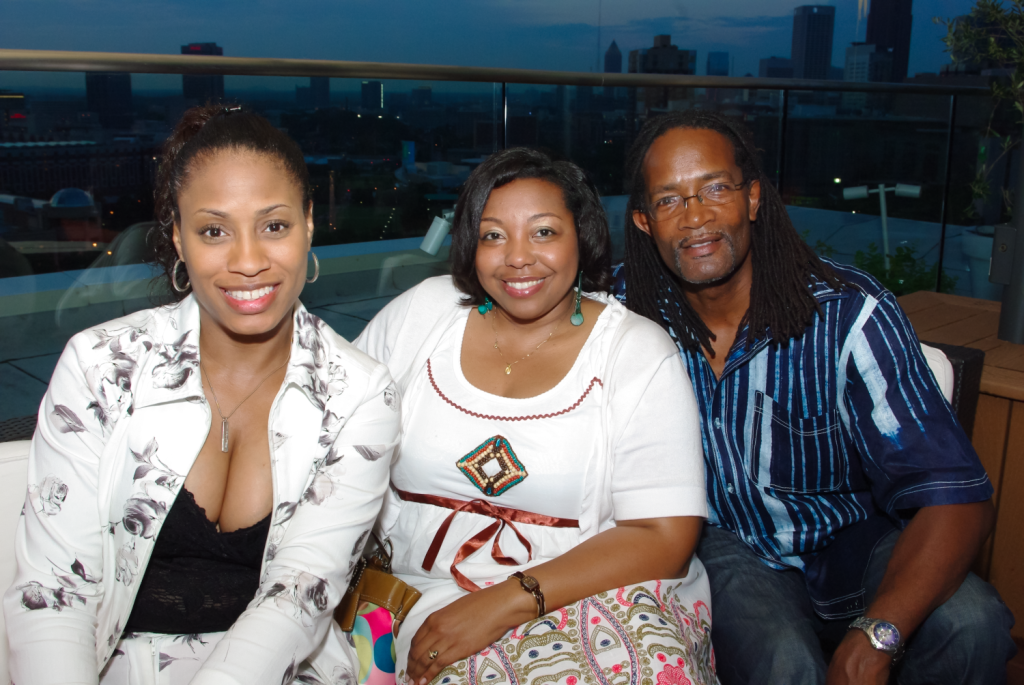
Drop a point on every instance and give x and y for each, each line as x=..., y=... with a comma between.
x=718, y=193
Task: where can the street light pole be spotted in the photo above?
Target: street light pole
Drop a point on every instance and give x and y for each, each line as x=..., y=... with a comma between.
x=885, y=223
x=901, y=190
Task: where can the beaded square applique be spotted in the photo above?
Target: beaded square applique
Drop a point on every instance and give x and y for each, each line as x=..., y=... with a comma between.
x=493, y=467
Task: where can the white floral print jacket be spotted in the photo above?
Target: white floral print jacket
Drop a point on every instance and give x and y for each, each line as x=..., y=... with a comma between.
x=119, y=428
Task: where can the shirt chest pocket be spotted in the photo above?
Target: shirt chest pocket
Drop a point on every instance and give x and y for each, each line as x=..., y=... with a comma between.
x=791, y=453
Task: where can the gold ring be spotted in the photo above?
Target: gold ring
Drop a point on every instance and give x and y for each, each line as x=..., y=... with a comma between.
x=432, y=654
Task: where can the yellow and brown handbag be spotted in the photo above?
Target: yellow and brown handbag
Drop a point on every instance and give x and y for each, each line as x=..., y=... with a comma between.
x=373, y=583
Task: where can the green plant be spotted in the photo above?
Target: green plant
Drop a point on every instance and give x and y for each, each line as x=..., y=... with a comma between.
x=906, y=273
x=820, y=246
x=991, y=36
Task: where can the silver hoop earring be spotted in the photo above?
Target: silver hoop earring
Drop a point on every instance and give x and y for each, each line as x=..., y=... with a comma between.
x=316, y=268
x=174, y=277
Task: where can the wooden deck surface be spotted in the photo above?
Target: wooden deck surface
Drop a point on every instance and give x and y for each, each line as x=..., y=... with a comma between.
x=965, y=321
x=998, y=426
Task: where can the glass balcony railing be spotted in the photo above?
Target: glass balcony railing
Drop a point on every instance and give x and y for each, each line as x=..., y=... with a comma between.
x=388, y=147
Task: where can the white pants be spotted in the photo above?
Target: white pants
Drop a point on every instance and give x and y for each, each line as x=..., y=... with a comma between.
x=156, y=659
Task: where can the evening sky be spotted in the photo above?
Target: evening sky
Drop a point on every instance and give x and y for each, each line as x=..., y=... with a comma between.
x=532, y=34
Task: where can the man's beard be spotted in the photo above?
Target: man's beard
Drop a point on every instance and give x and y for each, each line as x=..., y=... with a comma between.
x=727, y=239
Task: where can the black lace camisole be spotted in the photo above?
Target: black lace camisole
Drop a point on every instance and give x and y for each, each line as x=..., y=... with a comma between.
x=199, y=580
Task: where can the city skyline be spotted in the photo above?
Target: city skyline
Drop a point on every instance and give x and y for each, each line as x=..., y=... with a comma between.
x=534, y=35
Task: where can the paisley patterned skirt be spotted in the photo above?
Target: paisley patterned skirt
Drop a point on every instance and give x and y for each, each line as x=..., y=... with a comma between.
x=645, y=634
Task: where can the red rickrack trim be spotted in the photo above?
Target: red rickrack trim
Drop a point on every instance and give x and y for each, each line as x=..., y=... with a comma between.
x=430, y=375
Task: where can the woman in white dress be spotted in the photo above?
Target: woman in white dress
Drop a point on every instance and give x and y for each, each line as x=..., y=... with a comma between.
x=203, y=474
x=547, y=432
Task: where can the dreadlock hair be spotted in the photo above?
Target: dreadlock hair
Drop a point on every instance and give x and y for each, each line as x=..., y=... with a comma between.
x=783, y=264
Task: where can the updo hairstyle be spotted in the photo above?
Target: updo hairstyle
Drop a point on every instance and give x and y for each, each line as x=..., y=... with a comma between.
x=578, y=193
x=202, y=132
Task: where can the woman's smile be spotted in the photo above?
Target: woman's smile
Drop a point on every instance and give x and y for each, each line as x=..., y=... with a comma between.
x=523, y=287
x=251, y=301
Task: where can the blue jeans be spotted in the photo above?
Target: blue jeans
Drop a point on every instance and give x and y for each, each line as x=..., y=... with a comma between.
x=764, y=630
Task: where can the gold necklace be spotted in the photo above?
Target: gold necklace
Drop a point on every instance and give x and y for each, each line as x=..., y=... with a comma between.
x=508, y=365
x=224, y=419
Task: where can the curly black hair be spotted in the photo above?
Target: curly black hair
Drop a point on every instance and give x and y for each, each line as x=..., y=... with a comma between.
x=201, y=132
x=580, y=197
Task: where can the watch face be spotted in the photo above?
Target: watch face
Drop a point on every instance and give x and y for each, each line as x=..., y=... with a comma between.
x=886, y=634
x=530, y=582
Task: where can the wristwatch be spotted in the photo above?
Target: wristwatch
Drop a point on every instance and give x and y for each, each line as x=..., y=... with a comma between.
x=883, y=636
x=530, y=584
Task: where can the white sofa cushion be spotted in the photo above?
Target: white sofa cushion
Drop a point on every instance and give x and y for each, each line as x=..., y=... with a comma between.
x=13, y=475
x=941, y=369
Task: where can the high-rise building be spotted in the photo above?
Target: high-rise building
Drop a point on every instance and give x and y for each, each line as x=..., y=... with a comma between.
x=865, y=62
x=109, y=95
x=718, y=64
x=612, y=65
x=202, y=88
x=320, y=91
x=775, y=67
x=889, y=24
x=613, y=59
x=373, y=95
x=662, y=58
x=812, y=41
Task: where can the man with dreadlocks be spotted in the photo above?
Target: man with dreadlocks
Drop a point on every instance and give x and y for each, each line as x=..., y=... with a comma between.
x=840, y=485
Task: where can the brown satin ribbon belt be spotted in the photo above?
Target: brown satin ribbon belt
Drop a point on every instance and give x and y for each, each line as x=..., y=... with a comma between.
x=502, y=516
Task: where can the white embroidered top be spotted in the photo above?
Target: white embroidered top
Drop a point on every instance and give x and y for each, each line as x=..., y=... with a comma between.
x=616, y=438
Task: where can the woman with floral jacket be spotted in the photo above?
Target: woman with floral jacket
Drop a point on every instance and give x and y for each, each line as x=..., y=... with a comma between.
x=204, y=475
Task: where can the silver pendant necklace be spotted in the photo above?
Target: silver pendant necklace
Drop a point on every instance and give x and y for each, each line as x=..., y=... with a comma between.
x=224, y=428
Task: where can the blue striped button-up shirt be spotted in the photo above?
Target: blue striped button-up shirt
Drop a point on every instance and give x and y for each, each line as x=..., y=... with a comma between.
x=836, y=438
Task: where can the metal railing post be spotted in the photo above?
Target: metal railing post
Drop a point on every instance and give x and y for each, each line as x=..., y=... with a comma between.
x=1011, y=312
x=950, y=130
x=504, y=115
x=780, y=168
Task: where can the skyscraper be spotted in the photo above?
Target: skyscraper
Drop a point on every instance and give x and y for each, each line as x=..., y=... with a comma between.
x=373, y=95
x=775, y=67
x=612, y=65
x=889, y=24
x=109, y=94
x=320, y=91
x=202, y=88
x=812, y=41
x=718, y=64
x=663, y=58
x=613, y=59
x=866, y=62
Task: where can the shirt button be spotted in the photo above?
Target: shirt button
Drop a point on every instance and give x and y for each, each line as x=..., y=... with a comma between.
x=731, y=489
x=718, y=423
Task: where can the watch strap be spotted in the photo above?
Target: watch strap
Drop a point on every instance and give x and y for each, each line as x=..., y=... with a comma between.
x=530, y=584
x=867, y=625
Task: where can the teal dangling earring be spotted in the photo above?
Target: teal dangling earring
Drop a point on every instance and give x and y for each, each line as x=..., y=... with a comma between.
x=577, y=316
x=486, y=306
